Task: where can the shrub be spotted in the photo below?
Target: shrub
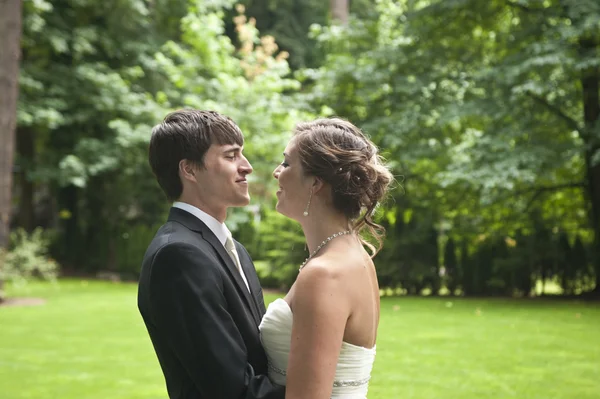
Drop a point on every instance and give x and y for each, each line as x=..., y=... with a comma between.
x=27, y=258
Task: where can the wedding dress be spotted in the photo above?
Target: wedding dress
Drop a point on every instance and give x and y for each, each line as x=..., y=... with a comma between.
x=354, y=365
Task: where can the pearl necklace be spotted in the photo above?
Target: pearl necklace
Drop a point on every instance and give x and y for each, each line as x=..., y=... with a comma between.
x=331, y=237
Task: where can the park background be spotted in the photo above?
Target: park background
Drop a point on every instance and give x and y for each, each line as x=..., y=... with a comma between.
x=488, y=113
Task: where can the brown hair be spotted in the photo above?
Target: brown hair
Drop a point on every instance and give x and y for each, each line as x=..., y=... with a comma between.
x=187, y=134
x=340, y=154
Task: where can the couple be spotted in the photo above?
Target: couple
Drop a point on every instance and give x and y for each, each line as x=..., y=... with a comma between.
x=199, y=294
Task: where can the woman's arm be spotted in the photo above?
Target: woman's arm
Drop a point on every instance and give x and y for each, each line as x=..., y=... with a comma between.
x=321, y=309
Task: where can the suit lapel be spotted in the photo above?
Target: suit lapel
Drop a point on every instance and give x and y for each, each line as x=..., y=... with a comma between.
x=250, y=273
x=234, y=272
x=195, y=224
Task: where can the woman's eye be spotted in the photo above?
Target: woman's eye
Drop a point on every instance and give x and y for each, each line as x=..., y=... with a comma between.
x=285, y=164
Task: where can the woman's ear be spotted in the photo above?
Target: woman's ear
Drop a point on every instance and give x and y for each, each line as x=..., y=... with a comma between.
x=317, y=185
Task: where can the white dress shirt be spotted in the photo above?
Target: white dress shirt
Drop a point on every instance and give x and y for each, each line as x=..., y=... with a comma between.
x=219, y=229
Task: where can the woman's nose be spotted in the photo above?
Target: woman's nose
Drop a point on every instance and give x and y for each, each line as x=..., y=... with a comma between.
x=276, y=172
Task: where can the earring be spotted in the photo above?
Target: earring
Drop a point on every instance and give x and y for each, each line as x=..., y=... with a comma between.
x=308, y=204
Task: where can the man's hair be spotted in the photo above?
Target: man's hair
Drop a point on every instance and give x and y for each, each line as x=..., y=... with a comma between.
x=187, y=134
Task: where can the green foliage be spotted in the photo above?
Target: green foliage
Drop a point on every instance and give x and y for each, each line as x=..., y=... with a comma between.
x=459, y=116
x=290, y=22
x=280, y=248
x=110, y=82
x=89, y=98
x=477, y=105
x=409, y=258
x=131, y=244
x=27, y=258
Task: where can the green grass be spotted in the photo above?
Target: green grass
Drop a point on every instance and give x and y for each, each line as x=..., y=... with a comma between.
x=88, y=341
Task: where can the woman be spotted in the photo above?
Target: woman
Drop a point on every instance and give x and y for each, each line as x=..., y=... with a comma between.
x=320, y=339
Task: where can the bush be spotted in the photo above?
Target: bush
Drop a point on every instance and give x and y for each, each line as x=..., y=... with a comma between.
x=131, y=244
x=27, y=258
x=279, y=249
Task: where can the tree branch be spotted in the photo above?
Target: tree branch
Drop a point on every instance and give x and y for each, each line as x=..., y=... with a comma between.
x=525, y=8
x=542, y=189
x=519, y=6
x=572, y=123
x=539, y=190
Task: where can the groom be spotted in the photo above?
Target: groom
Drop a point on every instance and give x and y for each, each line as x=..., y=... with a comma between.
x=199, y=294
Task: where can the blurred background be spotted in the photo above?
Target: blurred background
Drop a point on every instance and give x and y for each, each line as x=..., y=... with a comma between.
x=488, y=113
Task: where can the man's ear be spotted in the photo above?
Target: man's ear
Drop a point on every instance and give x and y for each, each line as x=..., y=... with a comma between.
x=187, y=170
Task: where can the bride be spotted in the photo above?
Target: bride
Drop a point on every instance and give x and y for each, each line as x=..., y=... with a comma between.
x=320, y=339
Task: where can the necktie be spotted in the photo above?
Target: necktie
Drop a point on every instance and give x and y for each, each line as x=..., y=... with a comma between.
x=230, y=247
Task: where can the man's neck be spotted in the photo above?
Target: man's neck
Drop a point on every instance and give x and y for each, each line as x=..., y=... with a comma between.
x=219, y=213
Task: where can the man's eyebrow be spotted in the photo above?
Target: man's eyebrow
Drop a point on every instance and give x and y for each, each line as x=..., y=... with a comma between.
x=232, y=149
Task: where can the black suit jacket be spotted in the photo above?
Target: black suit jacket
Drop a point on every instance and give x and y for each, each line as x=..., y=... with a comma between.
x=201, y=318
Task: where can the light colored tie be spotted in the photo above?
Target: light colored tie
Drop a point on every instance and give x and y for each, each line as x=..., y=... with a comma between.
x=230, y=247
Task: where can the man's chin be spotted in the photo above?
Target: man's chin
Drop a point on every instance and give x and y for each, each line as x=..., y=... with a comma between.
x=243, y=201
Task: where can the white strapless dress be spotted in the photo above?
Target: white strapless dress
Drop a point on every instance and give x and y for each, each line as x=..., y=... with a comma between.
x=354, y=364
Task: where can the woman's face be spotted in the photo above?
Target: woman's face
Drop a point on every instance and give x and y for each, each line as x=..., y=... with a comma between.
x=294, y=185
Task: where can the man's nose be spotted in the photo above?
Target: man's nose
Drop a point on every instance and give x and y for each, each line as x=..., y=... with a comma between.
x=245, y=166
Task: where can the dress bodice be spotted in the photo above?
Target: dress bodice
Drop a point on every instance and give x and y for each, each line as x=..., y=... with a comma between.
x=354, y=365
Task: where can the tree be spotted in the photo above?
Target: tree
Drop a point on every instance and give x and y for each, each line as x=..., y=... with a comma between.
x=580, y=265
x=290, y=21
x=87, y=100
x=451, y=266
x=531, y=99
x=565, y=268
x=489, y=109
x=96, y=77
x=10, y=37
x=340, y=10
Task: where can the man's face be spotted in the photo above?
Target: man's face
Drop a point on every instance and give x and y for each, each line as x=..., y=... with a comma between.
x=222, y=182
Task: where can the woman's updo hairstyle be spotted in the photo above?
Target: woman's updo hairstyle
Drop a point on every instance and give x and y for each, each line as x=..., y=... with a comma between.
x=340, y=154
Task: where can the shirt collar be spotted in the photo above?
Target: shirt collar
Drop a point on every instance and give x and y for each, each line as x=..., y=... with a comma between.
x=219, y=229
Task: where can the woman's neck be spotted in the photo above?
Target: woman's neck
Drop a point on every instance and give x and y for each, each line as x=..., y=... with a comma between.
x=318, y=228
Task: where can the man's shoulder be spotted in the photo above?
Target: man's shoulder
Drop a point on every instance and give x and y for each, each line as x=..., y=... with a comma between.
x=176, y=247
x=172, y=235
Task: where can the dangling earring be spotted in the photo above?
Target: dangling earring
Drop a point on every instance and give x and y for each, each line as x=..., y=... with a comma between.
x=308, y=204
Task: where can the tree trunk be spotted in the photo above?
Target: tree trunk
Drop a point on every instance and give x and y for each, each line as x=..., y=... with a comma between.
x=26, y=154
x=340, y=9
x=10, y=44
x=69, y=197
x=590, y=84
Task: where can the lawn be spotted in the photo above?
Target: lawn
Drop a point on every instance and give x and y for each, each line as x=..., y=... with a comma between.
x=88, y=342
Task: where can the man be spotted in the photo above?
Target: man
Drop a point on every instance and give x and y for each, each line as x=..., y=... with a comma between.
x=199, y=294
